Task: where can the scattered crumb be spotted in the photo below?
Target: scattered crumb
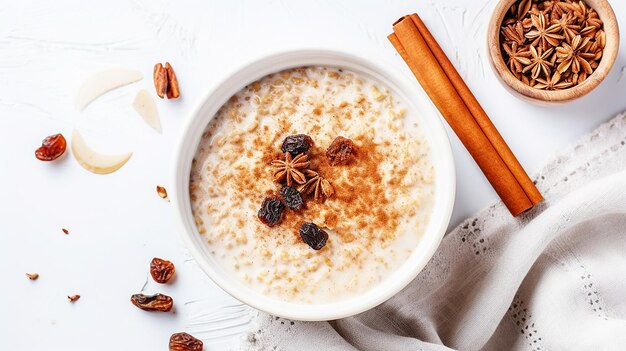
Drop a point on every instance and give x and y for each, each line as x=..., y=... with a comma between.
x=161, y=191
x=65, y=231
x=32, y=276
x=73, y=298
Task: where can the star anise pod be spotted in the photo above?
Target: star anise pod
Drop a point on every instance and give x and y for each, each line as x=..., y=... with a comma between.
x=290, y=169
x=519, y=57
x=573, y=57
x=557, y=9
x=317, y=185
x=539, y=62
x=514, y=33
x=523, y=7
x=586, y=15
x=543, y=36
x=567, y=25
x=553, y=83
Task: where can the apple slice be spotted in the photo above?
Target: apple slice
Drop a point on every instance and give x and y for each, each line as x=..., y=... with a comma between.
x=104, y=81
x=94, y=161
x=146, y=108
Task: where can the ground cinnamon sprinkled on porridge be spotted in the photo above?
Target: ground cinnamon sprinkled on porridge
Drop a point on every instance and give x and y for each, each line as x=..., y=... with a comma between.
x=381, y=202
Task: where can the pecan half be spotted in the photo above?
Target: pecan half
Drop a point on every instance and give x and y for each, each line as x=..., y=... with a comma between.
x=172, y=83
x=160, y=80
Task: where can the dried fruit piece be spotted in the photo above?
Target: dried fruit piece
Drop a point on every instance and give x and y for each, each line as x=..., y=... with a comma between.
x=65, y=231
x=161, y=191
x=271, y=210
x=313, y=236
x=160, y=80
x=104, y=81
x=184, y=342
x=161, y=270
x=32, y=276
x=172, y=83
x=340, y=151
x=297, y=144
x=73, y=298
x=292, y=197
x=156, y=302
x=94, y=161
x=52, y=147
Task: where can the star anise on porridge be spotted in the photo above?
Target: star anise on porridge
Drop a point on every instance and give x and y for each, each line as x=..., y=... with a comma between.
x=316, y=185
x=290, y=170
x=518, y=57
x=543, y=36
x=572, y=56
x=539, y=62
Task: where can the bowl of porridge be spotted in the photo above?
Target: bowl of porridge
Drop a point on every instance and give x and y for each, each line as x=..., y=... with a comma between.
x=314, y=184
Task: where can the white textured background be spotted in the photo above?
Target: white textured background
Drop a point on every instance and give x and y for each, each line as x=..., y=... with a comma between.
x=117, y=222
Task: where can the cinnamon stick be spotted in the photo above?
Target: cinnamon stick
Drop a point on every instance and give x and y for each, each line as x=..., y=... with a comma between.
x=466, y=117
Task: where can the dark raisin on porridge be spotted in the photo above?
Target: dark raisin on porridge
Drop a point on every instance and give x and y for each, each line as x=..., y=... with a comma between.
x=313, y=236
x=297, y=144
x=291, y=197
x=271, y=210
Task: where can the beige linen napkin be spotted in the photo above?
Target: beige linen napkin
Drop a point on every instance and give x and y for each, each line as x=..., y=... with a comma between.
x=554, y=279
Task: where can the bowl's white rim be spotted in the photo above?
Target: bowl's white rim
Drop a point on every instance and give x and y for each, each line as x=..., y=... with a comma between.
x=444, y=196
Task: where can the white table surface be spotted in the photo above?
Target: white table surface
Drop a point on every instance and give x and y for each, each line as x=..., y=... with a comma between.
x=117, y=222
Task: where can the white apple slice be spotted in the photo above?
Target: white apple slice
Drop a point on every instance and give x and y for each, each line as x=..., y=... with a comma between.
x=104, y=81
x=94, y=161
x=146, y=108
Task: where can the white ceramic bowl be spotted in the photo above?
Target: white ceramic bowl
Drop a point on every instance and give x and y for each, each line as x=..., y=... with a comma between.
x=415, y=99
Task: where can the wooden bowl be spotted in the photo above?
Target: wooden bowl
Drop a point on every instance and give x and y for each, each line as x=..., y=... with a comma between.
x=517, y=88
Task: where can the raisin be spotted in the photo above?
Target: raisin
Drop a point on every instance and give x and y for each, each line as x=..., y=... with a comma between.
x=313, y=235
x=184, y=342
x=297, y=144
x=52, y=147
x=271, y=210
x=157, y=302
x=340, y=151
x=292, y=197
x=161, y=270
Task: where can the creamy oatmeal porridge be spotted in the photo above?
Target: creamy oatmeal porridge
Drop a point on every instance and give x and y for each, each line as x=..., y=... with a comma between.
x=377, y=207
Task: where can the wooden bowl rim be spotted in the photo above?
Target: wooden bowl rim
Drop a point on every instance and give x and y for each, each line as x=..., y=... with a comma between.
x=606, y=63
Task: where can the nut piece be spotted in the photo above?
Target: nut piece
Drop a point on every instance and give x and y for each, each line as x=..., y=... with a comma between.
x=32, y=276
x=184, y=342
x=161, y=191
x=160, y=80
x=172, y=83
x=73, y=297
x=161, y=270
x=157, y=302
